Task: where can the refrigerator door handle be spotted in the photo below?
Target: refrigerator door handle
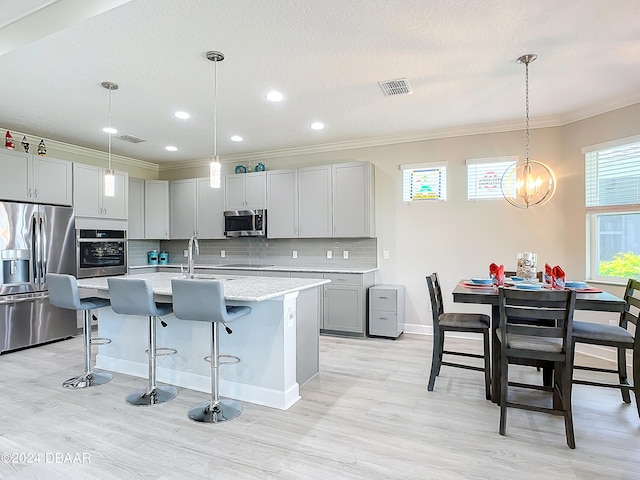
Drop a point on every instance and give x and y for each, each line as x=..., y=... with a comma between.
x=35, y=249
x=43, y=248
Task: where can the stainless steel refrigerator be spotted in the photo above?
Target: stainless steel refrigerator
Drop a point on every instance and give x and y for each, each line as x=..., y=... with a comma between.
x=34, y=240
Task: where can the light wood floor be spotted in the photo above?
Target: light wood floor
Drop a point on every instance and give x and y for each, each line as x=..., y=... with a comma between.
x=366, y=416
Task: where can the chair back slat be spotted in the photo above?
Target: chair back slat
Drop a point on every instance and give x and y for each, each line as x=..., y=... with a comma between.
x=435, y=292
x=546, y=314
x=632, y=307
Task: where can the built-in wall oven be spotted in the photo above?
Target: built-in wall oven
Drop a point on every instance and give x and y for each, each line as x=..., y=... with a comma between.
x=101, y=253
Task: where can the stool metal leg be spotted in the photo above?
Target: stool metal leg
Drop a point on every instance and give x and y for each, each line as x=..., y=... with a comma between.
x=215, y=410
x=153, y=394
x=89, y=378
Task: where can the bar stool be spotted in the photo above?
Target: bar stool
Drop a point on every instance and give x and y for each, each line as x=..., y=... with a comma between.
x=203, y=301
x=63, y=293
x=134, y=296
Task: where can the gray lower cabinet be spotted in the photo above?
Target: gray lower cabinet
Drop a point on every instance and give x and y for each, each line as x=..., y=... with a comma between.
x=345, y=303
x=386, y=310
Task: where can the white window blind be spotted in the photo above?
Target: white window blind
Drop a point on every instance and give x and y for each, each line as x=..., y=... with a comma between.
x=424, y=181
x=484, y=176
x=613, y=176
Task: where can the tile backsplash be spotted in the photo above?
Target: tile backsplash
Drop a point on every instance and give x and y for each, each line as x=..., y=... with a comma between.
x=312, y=252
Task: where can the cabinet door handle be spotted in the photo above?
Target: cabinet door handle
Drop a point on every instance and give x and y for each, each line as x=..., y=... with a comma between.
x=383, y=297
x=383, y=318
x=35, y=193
x=28, y=192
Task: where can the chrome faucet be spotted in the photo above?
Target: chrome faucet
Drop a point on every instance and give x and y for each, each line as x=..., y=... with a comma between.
x=192, y=241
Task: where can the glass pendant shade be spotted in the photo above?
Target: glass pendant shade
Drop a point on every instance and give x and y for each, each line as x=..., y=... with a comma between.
x=109, y=188
x=214, y=172
x=528, y=184
x=109, y=183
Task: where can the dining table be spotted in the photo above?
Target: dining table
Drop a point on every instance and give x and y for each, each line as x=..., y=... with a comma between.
x=464, y=292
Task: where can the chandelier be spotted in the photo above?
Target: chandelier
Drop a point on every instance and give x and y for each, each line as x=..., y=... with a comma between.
x=529, y=183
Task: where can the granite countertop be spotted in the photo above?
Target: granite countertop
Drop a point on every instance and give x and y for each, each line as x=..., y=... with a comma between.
x=236, y=287
x=272, y=268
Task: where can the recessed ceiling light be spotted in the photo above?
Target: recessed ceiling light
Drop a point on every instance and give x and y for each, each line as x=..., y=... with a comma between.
x=274, y=96
x=182, y=115
x=317, y=126
x=171, y=148
x=236, y=138
x=110, y=130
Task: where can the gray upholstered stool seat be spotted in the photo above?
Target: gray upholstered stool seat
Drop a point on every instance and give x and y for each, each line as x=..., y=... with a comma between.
x=203, y=301
x=63, y=293
x=134, y=296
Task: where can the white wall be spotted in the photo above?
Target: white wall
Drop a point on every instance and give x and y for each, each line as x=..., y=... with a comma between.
x=459, y=238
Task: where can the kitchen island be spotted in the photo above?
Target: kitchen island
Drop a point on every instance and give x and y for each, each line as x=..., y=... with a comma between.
x=277, y=343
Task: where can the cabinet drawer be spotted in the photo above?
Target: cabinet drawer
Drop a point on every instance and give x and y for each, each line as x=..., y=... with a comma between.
x=383, y=323
x=383, y=300
x=344, y=278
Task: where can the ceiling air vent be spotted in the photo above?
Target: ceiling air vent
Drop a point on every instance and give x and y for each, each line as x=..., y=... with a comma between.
x=399, y=86
x=131, y=138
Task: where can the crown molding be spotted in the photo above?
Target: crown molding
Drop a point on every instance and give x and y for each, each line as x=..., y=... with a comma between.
x=368, y=142
x=88, y=152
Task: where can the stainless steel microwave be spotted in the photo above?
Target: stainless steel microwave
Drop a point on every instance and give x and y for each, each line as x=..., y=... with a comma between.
x=245, y=223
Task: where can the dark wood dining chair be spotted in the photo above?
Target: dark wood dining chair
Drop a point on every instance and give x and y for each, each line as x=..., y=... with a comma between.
x=456, y=322
x=618, y=337
x=537, y=342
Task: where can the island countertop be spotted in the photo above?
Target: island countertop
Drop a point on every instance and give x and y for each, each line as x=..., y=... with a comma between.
x=236, y=287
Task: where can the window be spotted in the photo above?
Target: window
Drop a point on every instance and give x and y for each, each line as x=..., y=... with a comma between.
x=484, y=176
x=612, y=174
x=424, y=181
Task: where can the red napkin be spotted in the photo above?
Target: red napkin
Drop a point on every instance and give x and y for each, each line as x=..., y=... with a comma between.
x=497, y=273
x=559, y=278
x=548, y=274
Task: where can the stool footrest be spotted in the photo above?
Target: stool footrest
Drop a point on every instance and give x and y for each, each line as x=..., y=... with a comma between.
x=100, y=341
x=229, y=359
x=163, y=352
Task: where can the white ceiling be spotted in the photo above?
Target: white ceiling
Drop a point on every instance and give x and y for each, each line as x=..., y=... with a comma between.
x=325, y=56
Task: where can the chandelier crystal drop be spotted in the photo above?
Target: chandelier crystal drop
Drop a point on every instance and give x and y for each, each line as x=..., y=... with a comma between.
x=529, y=183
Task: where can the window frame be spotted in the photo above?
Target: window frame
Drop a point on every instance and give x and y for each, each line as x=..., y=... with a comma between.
x=508, y=160
x=594, y=212
x=410, y=167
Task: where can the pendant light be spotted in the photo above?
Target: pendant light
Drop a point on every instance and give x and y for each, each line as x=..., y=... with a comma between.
x=109, y=189
x=214, y=166
x=529, y=183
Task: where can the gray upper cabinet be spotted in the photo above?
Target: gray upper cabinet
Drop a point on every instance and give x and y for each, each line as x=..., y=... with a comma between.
x=209, y=210
x=282, y=204
x=156, y=209
x=314, y=192
x=246, y=191
x=88, y=197
x=30, y=178
x=135, y=228
x=183, y=208
x=196, y=208
x=353, y=200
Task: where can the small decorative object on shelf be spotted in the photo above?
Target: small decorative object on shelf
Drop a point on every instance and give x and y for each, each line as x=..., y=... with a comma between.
x=241, y=169
x=259, y=167
x=8, y=141
x=25, y=144
x=42, y=148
